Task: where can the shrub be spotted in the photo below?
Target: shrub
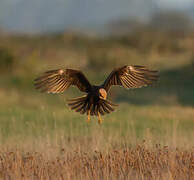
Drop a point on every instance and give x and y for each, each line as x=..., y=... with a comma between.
x=6, y=60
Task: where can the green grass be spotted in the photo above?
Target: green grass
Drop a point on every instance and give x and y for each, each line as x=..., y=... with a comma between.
x=152, y=114
x=162, y=114
x=41, y=118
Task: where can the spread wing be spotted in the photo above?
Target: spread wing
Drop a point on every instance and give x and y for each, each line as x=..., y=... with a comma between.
x=56, y=81
x=131, y=77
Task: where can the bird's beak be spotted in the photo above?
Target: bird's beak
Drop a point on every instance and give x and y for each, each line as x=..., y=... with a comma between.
x=101, y=96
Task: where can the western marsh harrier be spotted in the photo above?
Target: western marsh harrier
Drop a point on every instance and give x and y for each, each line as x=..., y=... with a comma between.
x=95, y=101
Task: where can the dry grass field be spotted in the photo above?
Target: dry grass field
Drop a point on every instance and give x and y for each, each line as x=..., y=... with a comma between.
x=138, y=162
x=150, y=136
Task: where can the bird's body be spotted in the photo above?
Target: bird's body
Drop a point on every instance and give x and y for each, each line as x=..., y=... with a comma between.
x=95, y=101
x=97, y=93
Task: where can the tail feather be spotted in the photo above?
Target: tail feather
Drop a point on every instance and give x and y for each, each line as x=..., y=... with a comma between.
x=109, y=107
x=80, y=108
x=79, y=99
x=100, y=109
x=75, y=106
x=105, y=109
x=82, y=105
x=110, y=103
x=83, y=110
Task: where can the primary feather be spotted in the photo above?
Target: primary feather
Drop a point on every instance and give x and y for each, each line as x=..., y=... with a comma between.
x=130, y=77
x=57, y=81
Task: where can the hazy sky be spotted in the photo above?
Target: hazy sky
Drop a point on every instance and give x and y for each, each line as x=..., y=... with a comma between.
x=180, y=4
x=51, y=15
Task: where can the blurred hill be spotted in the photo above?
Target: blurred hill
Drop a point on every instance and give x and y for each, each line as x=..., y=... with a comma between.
x=165, y=20
x=24, y=57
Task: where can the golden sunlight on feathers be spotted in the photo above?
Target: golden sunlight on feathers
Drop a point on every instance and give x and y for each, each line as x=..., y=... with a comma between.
x=95, y=102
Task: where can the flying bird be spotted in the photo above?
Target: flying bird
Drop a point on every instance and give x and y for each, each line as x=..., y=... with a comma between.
x=95, y=102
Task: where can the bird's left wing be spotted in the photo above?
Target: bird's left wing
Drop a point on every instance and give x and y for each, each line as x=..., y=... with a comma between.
x=56, y=81
x=131, y=77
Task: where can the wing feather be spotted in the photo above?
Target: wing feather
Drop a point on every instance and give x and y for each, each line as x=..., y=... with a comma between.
x=57, y=81
x=131, y=77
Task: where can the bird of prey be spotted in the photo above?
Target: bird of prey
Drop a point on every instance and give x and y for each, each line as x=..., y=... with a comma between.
x=95, y=102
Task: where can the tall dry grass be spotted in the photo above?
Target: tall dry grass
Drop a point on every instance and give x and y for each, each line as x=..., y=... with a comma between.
x=139, y=162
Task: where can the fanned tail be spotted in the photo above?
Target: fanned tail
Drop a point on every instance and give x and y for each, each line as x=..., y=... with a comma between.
x=79, y=104
x=84, y=106
x=104, y=107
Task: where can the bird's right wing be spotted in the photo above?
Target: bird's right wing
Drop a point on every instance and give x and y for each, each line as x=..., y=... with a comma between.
x=130, y=77
x=56, y=81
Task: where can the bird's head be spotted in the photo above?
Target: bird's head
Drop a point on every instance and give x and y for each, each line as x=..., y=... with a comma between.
x=102, y=93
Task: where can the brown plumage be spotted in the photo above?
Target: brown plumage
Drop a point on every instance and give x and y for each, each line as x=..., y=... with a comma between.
x=95, y=101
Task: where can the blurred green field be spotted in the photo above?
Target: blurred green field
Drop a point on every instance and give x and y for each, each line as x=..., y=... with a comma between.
x=162, y=114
